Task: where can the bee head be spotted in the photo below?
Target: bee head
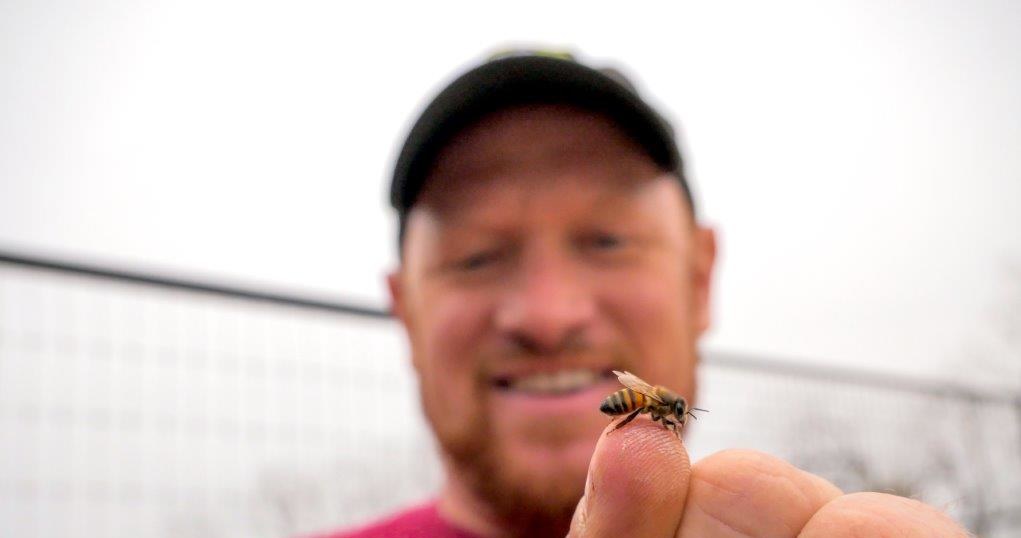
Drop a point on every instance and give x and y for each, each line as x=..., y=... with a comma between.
x=680, y=408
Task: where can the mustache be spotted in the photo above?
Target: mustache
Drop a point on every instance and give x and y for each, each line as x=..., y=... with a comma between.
x=574, y=350
x=523, y=346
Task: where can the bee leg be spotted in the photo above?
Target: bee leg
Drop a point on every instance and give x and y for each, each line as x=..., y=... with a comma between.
x=628, y=419
x=672, y=426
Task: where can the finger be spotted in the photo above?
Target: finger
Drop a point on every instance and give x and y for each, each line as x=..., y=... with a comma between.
x=746, y=493
x=880, y=515
x=636, y=484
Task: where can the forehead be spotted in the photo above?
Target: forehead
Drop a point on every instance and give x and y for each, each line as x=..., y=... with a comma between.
x=536, y=145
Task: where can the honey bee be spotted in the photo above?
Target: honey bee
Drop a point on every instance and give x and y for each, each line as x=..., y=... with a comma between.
x=662, y=403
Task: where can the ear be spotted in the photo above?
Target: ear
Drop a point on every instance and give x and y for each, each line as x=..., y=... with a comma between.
x=702, y=276
x=395, y=285
x=399, y=308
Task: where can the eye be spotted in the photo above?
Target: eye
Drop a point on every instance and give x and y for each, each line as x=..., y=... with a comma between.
x=478, y=260
x=605, y=241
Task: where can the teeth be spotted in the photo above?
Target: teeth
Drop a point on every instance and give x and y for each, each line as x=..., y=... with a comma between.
x=556, y=382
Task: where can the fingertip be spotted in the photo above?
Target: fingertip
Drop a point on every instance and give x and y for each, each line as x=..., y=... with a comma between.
x=638, y=479
x=639, y=445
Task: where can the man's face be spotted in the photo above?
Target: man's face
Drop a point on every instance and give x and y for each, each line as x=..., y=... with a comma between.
x=545, y=251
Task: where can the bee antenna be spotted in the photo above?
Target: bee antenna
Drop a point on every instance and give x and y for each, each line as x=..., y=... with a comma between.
x=696, y=409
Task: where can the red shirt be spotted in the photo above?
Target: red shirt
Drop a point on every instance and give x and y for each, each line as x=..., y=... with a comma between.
x=418, y=522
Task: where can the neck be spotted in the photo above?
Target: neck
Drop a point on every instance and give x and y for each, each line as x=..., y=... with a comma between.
x=461, y=507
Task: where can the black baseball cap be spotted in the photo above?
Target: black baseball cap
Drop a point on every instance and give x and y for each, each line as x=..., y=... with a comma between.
x=521, y=78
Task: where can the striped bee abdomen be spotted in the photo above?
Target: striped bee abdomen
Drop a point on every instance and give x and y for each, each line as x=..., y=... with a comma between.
x=623, y=401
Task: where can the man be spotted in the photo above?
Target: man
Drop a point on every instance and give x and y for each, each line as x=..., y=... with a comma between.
x=549, y=237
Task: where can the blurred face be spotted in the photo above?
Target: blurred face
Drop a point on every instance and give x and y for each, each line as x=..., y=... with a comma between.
x=546, y=250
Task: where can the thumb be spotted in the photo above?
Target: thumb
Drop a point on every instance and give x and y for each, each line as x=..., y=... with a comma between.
x=637, y=483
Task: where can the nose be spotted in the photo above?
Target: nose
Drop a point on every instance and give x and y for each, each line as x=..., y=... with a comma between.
x=548, y=306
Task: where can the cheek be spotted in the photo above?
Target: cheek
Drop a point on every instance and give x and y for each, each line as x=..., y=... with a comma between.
x=653, y=313
x=649, y=307
x=445, y=340
x=453, y=327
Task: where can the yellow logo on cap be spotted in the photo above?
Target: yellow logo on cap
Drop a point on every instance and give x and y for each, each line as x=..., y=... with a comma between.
x=547, y=53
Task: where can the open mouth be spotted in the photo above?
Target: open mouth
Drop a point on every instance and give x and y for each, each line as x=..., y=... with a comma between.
x=557, y=383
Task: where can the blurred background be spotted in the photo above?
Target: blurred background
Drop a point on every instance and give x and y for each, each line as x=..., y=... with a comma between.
x=194, y=232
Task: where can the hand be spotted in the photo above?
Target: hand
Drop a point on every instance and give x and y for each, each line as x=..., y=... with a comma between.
x=641, y=483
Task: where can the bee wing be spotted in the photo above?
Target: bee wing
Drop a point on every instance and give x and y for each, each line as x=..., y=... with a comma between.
x=636, y=384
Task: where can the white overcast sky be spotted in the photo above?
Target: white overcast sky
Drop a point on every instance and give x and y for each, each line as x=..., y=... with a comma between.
x=860, y=159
